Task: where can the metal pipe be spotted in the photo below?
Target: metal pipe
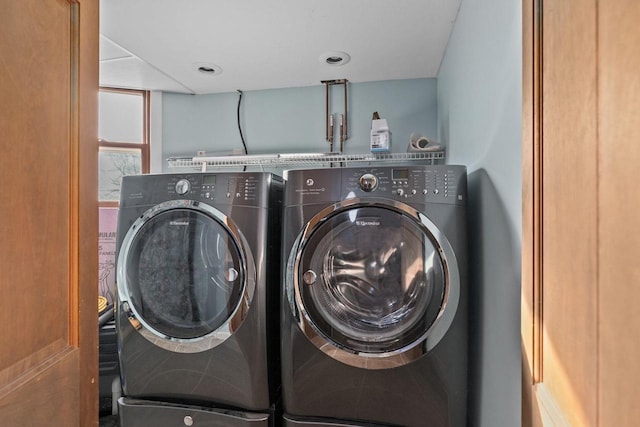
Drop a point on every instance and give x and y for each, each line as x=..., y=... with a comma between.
x=329, y=125
x=346, y=113
x=341, y=133
x=331, y=132
x=326, y=115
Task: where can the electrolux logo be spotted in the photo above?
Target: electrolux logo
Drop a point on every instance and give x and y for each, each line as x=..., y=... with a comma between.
x=179, y=223
x=368, y=222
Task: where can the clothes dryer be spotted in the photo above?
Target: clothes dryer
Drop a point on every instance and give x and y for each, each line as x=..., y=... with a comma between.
x=197, y=284
x=374, y=313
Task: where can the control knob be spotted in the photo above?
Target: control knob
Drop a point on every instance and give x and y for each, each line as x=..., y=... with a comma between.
x=183, y=186
x=368, y=182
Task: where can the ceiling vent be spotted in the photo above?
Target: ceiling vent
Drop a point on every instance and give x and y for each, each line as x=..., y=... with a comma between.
x=334, y=58
x=207, y=68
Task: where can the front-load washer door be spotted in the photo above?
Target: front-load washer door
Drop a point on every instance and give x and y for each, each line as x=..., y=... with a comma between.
x=185, y=276
x=373, y=284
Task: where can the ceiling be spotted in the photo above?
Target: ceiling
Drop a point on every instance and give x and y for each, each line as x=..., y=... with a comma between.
x=267, y=44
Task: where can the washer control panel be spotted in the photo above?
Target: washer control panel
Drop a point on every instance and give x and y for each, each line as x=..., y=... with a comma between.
x=438, y=183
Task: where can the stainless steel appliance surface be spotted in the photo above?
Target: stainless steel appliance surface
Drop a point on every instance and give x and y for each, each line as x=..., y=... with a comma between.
x=374, y=301
x=198, y=259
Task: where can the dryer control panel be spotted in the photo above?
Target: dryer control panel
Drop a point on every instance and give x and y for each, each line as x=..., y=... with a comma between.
x=433, y=184
x=410, y=184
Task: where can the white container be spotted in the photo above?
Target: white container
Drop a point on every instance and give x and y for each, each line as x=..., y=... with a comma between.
x=380, y=136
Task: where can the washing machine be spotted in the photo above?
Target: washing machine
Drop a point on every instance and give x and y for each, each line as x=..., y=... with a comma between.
x=198, y=299
x=374, y=312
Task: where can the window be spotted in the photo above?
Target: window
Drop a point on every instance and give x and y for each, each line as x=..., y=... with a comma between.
x=123, y=140
x=123, y=131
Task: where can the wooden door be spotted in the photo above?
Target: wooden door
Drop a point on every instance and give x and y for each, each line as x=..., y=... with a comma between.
x=48, y=219
x=580, y=321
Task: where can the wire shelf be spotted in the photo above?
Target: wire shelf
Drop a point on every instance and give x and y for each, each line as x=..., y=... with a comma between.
x=300, y=159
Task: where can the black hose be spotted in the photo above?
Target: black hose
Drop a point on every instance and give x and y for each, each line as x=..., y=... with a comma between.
x=106, y=316
x=244, y=144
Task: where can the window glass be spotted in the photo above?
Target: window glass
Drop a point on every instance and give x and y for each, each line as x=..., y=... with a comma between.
x=121, y=117
x=114, y=163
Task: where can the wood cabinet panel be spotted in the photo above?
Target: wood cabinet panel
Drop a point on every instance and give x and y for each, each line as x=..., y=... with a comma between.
x=530, y=160
x=588, y=207
x=619, y=211
x=50, y=395
x=35, y=165
x=569, y=208
x=48, y=255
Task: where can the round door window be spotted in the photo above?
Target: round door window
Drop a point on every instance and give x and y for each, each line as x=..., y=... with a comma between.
x=371, y=280
x=184, y=273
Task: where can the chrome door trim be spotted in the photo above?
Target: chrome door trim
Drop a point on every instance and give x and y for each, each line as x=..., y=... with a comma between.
x=214, y=338
x=401, y=356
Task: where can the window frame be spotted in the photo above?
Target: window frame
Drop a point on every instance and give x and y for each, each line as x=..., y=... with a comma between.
x=143, y=146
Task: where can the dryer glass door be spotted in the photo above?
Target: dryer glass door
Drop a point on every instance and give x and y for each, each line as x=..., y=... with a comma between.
x=184, y=273
x=371, y=280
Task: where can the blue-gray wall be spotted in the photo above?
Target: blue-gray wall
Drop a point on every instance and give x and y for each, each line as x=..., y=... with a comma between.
x=479, y=118
x=293, y=120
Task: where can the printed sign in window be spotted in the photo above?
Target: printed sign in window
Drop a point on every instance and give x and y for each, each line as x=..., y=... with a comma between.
x=108, y=219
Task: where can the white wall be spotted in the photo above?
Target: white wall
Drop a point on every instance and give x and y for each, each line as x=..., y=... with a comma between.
x=479, y=118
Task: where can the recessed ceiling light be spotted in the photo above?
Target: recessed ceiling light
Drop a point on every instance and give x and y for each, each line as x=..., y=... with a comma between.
x=334, y=58
x=207, y=68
